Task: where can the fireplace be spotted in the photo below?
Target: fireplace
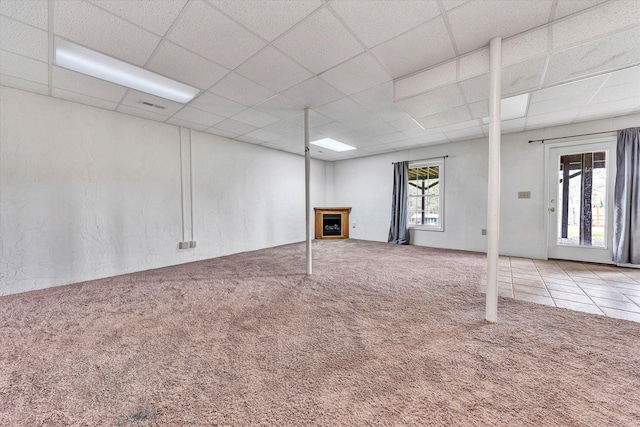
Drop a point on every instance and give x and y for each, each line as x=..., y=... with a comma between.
x=332, y=223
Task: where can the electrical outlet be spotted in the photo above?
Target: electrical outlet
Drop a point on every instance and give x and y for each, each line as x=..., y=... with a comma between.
x=192, y=244
x=484, y=231
x=183, y=245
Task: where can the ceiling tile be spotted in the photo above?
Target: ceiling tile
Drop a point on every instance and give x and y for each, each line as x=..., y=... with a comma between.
x=156, y=16
x=242, y=90
x=357, y=74
x=255, y=118
x=267, y=18
x=425, y=80
x=29, y=12
x=391, y=113
x=442, y=99
x=313, y=93
x=234, y=126
x=525, y=46
x=606, y=54
x=141, y=113
x=405, y=124
x=319, y=43
x=273, y=69
x=279, y=106
x=459, y=114
x=218, y=132
x=371, y=22
x=605, y=19
x=376, y=97
x=186, y=124
x=24, y=39
x=249, y=140
x=24, y=68
x=474, y=64
x=18, y=83
x=341, y=108
x=476, y=23
x=420, y=48
x=466, y=133
x=479, y=109
x=217, y=105
x=287, y=127
x=620, y=85
x=451, y=4
x=569, y=7
x=263, y=135
x=378, y=129
x=360, y=121
x=206, y=31
x=198, y=116
x=77, y=20
x=551, y=119
x=177, y=63
x=133, y=98
x=581, y=88
x=332, y=130
x=609, y=109
x=83, y=99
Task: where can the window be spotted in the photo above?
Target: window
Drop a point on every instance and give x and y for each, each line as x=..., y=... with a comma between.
x=426, y=194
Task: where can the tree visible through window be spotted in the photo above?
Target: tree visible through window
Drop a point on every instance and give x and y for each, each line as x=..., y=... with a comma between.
x=426, y=194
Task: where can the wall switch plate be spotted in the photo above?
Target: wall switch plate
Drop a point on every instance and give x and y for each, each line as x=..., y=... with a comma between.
x=524, y=194
x=484, y=231
x=354, y=225
x=192, y=244
x=183, y=245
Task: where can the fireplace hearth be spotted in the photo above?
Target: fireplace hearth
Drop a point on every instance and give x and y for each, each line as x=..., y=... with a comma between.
x=332, y=223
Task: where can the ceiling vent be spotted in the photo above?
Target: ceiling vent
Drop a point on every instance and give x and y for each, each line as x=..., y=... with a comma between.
x=149, y=104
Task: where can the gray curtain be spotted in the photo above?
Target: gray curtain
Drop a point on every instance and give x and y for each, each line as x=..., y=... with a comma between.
x=626, y=207
x=398, y=231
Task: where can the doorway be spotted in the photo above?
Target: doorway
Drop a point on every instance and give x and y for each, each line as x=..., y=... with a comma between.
x=580, y=200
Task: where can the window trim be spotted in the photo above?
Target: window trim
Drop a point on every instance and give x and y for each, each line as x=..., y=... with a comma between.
x=441, y=175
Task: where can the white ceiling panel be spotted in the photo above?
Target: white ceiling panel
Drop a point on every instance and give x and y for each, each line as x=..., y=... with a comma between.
x=357, y=74
x=341, y=108
x=267, y=18
x=279, y=106
x=206, y=31
x=619, y=85
x=391, y=113
x=451, y=4
x=405, y=124
x=29, y=12
x=218, y=132
x=156, y=16
x=376, y=97
x=186, y=124
x=555, y=118
x=360, y=121
x=602, y=55
x=263, y=135
x=21, y=84
x=84, y=99
x=217, y=105
x=379, y=129
x=319, y=43
x=273, y=69
x=198, y=116
x=313, y=93
x=479, y=109
x=434, y=101
x=133, y=98
x=179, y=64
x=605, y=19
x=569, y=7
x=466, y=133
x=24, y=39
x=287, y=128
x=145, y=114
x=250, y=140
x=376, y=21
x=581, y=88
x=234, y=126
x=77, y=20
x=423, y=81
x=255, y=118
x=24, y=68
x=476, y=23
x=456, y=115
x=242, y=90
x=334, y=129
x=474, y=64
x=420, y=48
x=609, y=109
x=525, y=46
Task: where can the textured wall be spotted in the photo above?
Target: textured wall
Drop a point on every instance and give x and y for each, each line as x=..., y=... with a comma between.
x=87, y=193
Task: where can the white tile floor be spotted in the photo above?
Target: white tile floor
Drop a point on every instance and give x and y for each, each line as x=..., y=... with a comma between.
x=594, y=288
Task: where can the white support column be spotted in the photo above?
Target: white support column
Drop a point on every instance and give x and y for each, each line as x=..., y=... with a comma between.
x=307, y=187
x=493, y=214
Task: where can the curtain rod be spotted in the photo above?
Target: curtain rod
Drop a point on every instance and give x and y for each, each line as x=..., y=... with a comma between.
x=424, y=160
x=570, y=136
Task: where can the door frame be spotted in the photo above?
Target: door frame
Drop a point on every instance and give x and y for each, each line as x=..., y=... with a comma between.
x=611, y=164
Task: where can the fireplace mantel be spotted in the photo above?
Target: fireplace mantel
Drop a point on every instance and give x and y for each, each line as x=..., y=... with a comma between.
x=332, y=223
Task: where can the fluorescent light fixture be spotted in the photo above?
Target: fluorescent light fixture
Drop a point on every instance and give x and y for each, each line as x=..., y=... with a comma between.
x=332, y=144
x=86, y=61
x=511, y=108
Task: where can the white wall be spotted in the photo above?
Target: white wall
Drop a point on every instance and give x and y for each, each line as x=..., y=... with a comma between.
x=366, y=185
x=88, y=193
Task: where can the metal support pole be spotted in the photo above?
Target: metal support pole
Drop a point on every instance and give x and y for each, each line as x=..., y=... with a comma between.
x=307, y=187
x=493, y=214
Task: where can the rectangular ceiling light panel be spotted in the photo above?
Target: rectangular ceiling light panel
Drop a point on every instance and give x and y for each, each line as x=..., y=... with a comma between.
x=511, y=108
x=332, y=144
x=86, y=61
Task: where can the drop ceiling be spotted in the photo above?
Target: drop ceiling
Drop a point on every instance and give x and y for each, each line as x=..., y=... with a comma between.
x=381, y=75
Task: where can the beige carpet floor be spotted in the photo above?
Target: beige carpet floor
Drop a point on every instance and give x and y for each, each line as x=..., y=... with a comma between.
x=379, y=335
